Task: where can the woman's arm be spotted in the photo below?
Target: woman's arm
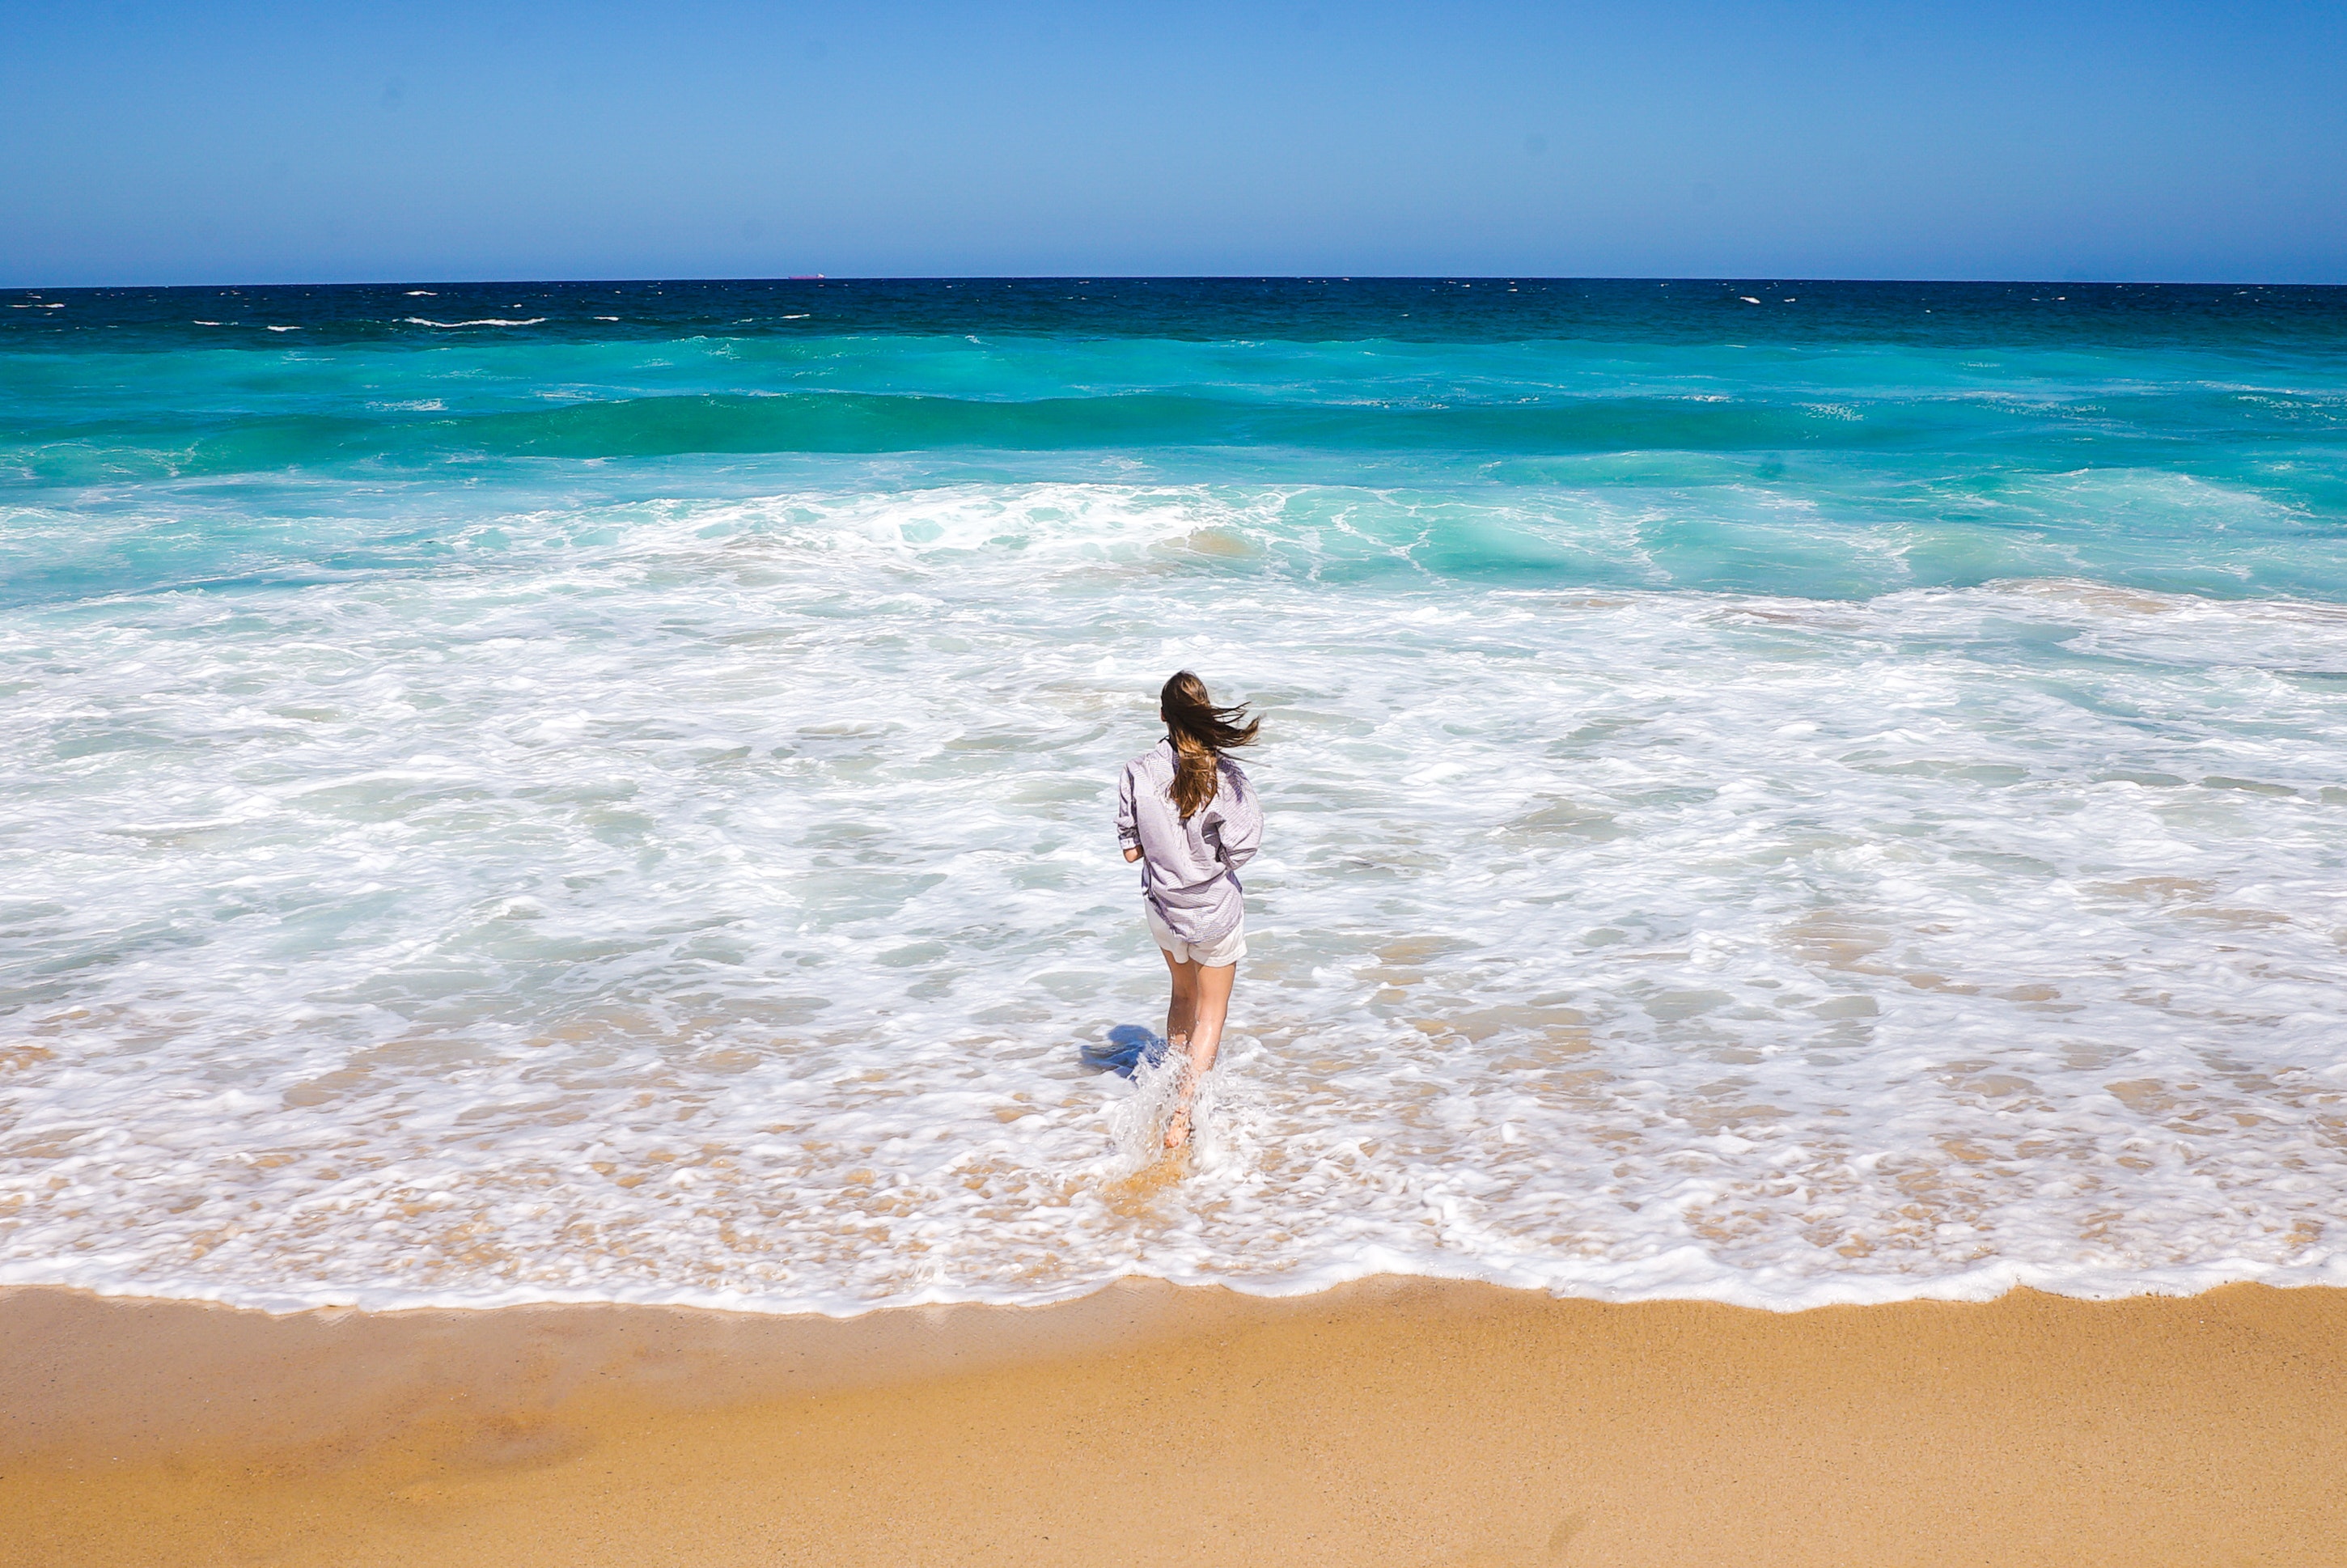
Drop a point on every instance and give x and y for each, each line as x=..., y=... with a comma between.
x=1128, y=825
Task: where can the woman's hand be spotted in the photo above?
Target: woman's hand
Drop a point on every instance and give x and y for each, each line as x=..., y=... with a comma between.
x=1130, y=855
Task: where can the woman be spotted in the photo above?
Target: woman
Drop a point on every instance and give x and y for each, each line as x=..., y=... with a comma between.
x=1189, y=816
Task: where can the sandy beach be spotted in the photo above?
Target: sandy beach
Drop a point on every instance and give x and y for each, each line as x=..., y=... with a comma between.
x=1391, y=1422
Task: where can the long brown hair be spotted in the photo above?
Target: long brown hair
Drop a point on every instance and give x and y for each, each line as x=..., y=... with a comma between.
x=1201, y=734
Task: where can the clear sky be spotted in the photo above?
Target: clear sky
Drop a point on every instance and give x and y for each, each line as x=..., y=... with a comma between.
x=163, y=142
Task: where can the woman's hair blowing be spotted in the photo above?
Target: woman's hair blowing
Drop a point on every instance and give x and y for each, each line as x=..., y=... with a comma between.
x=1201, y=732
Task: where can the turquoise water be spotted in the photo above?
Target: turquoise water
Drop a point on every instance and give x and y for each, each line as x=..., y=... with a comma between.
x=1781, y=791
x=1833, y=440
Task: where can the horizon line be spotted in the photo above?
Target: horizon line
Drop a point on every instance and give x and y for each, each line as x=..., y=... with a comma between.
x=1196, y=278
x=819, y=279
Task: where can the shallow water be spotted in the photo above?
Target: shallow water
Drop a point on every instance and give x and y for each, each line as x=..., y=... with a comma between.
x=1838, y=798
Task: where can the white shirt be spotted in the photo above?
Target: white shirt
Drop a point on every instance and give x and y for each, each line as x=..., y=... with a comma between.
x=1186, y=866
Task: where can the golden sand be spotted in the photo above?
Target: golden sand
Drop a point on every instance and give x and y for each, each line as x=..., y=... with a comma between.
x=1393, y=1422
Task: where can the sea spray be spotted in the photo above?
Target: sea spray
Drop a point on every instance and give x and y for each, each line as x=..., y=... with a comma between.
x=1137, y=1125
x=1221, y=1123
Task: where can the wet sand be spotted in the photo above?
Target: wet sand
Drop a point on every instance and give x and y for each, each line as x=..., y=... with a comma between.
x=1404, y=1422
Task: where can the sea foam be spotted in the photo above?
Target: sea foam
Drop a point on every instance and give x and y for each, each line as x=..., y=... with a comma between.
x=715, y=914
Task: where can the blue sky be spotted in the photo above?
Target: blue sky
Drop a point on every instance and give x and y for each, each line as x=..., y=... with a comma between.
x=179, y=143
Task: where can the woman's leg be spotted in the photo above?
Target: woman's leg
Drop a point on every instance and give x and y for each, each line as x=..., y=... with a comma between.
x=1210, y=1005
x=1182, y=1005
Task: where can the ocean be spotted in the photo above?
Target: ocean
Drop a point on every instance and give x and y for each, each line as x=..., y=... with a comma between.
x=1778, y=792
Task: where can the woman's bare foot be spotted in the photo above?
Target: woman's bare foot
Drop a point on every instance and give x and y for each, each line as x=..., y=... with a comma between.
x=1177, y=1131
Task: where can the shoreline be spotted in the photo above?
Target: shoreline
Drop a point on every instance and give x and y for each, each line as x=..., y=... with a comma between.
x=1397, y=1421
x=1668, y=1278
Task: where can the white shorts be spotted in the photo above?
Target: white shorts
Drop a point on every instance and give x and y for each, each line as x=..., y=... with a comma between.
x=1228, y=949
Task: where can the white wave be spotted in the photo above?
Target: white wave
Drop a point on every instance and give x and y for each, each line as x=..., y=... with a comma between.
x=706, y=902
x=483, y=321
